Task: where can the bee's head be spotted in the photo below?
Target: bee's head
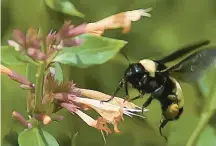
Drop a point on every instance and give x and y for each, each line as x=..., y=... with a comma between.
x=134, y=69
x=135, y=74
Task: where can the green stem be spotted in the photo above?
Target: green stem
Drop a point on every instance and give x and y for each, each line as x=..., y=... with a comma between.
x=205, y=117
x=39, y=86
x=43, y=28
x=44, y=24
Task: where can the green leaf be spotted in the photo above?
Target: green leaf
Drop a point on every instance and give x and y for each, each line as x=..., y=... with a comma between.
x=36, y=137
x=58, y=72
x=12, y=57
x=74, y=139
x=94, y=50
x=64, y=6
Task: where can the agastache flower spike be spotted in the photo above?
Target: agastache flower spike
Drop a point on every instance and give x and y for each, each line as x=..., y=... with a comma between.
x=55, y=95
x=65, y=36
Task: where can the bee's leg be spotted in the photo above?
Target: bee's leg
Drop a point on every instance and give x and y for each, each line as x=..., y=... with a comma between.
x=126, y=91
x=147, y=102
x=158, y=91
x=144, y=79
x=121, y=83
x=137, y=97
x=173, y=97
x=163, y=123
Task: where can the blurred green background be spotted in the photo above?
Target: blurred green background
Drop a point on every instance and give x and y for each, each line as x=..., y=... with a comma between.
x=174, y=23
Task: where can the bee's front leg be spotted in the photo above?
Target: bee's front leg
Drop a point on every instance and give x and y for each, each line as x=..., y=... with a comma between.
x=137, y=97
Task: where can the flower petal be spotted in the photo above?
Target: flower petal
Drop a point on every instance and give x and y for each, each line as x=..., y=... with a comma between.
x=90, y=121
x=102, y=96
x=109, y=112
x=99, y=124
x=14, y=44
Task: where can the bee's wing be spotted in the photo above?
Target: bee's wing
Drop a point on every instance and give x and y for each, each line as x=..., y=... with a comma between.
x=182, y=52
x=192, y=68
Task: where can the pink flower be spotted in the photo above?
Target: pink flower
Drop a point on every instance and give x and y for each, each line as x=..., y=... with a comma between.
x=29, y=44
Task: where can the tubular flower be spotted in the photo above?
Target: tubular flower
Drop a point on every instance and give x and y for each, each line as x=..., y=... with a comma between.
x=111, y=113
x=16, y=77
x=120, y=20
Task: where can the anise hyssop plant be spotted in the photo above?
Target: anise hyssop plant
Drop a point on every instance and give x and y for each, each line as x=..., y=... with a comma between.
x=80, y=46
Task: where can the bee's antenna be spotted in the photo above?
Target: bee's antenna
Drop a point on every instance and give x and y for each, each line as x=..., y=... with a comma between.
x=126, y=57
x=164, y=122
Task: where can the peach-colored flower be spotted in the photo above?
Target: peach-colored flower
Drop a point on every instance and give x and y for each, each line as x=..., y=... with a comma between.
x=110, y=113
x=102, y=96
x=120, y=20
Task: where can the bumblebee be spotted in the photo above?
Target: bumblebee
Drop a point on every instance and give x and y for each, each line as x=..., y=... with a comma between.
x=154, y=77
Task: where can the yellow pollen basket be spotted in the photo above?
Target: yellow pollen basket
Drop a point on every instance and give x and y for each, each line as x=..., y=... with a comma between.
x=172, y=111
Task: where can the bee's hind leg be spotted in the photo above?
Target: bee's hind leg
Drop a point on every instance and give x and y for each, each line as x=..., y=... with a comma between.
x=173, y=97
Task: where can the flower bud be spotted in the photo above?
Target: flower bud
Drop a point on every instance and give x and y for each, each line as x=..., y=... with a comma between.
x=17, y=116
x=43, y=117
x=19, y=37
